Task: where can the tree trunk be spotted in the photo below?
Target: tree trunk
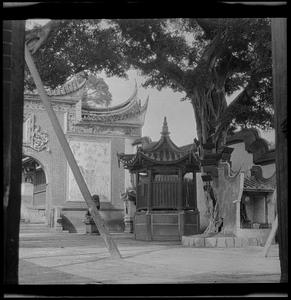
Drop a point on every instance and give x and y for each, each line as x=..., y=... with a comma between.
x=209, y=104
x=198, y=123
x=215, y=221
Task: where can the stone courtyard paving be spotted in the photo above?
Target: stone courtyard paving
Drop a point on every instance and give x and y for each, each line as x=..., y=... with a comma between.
x=69, y=258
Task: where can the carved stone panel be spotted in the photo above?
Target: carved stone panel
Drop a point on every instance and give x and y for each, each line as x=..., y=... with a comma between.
x=33, y=136
x=94, y=161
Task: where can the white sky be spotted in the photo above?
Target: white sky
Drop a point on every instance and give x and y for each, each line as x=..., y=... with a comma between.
x=164, y=103
x=180, y=115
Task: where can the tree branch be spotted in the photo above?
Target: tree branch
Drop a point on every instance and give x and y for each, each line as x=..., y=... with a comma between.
x=165, y=67
x=208, y=26
x=228, y=114
x=35, y=38
x=237, y=66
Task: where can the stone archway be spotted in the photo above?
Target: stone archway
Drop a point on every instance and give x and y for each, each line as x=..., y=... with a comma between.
x=33, y=191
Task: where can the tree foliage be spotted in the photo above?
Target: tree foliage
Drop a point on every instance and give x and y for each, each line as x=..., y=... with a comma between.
x=207, y=59
x=96, y=93
x=75, y=46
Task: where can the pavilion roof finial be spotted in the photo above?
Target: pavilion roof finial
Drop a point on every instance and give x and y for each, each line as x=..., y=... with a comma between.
x=165, y=130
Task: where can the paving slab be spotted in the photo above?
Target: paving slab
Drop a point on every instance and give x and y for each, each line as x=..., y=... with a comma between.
x=75, y=258
x=35, y=274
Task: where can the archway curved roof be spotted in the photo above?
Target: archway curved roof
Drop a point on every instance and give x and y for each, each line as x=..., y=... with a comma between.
x=128, y=109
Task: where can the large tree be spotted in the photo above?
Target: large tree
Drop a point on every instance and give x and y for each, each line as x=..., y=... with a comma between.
x=207, y=59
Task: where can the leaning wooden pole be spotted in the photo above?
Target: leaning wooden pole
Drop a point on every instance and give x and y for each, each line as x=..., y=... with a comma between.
x=271, y=237
x=273, y=230
x=110, y=244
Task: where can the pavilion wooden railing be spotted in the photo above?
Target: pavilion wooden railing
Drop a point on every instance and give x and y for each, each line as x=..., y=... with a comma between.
x=165, y=194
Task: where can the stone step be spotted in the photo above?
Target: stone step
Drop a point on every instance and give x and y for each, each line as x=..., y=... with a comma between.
x=199, y=241
x=36, y=228
x=32, y=224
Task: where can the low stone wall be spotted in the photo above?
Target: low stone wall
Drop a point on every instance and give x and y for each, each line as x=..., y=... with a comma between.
x=221, y=242
x=73, y=219
x=31, y=215
x=261, y=234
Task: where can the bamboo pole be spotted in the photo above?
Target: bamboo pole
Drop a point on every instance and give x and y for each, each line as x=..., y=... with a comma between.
x=273, y=230
x=271, y=237
x=110, y=244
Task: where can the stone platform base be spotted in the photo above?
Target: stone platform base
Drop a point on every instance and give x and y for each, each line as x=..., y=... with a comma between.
x=199, y=241
x=165, y=225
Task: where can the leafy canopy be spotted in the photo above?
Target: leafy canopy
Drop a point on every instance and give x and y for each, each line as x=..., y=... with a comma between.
x=207, y=59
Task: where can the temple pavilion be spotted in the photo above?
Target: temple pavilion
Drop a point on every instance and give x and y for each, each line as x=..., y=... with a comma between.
x=165, y=182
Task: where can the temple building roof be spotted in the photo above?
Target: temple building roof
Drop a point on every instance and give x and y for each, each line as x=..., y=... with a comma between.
x=130, y=108
x=257, y=183
x=162, y=152
x=262, y=152
x=131, y=111
x=68, y=88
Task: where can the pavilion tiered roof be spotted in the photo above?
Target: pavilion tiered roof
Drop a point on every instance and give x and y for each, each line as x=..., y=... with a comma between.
x=162, y=152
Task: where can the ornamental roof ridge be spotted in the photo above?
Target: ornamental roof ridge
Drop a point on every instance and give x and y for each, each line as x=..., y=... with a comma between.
x=114, y=110
x=165, y=130
x=165, y=142
x=128, y=109
x=130, y=101
x=66, y=89
x=252, y=183
x=54, y=99
x=256, y=181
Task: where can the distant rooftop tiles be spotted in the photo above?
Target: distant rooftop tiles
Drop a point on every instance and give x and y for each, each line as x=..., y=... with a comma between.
x=256, y=182
x=253, y=184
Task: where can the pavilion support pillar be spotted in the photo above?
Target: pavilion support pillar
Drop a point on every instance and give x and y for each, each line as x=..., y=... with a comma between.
x=195, y=188
x=150, y=191
x=136, y=184
x=180, y=190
